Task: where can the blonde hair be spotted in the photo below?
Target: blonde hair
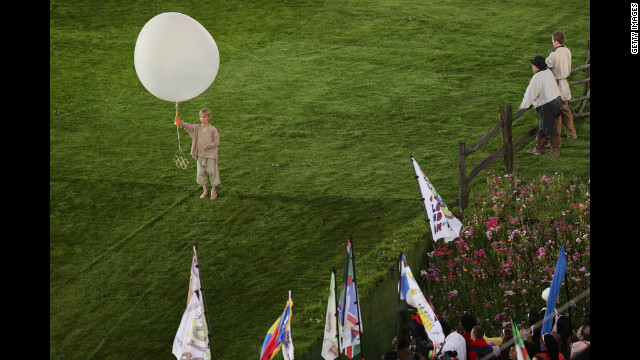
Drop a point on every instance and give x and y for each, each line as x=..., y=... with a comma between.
x=205, y=111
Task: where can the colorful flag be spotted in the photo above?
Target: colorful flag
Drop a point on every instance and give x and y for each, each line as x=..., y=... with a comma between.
x=443, y=223
x=349, y=308
x=279, y=332
x=521, y=350
x=330, y=349
x=556, y=283
x=410, y=291
x=191, y=341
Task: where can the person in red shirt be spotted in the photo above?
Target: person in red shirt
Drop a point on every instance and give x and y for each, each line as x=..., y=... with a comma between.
x=479, y=347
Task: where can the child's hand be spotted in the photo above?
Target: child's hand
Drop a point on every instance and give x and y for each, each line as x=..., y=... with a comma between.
x=177, y=121
x=205, y=147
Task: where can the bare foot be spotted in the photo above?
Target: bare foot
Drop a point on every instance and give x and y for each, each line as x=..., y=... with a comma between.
x=204, y=195
x=214, y=195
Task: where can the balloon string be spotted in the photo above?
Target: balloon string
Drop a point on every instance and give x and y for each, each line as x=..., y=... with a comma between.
x=180, y=160
x=178, y=130
x=179, y=147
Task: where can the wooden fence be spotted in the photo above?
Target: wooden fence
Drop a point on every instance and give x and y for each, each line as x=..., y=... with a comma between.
x=505, y=125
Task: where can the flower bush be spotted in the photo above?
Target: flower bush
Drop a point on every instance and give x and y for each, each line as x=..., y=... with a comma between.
x=507, y=252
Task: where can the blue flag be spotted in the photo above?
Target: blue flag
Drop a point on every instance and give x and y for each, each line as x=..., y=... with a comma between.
x=556, y=283
x=277, y=334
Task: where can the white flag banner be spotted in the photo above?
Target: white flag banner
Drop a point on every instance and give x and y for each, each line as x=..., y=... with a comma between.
x=287, y=344
x=191, y=341
x=330, y=349
x=194, y=280
x=443, y=223
x=287, y=341
x=410, y=291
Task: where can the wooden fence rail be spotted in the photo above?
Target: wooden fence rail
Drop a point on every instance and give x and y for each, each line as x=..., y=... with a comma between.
x=505, y=126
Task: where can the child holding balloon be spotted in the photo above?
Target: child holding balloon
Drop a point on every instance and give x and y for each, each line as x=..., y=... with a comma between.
x=204, y=149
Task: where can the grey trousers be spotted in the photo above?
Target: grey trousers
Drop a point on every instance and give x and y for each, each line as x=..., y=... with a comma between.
x=548, y=114
x=207, y=169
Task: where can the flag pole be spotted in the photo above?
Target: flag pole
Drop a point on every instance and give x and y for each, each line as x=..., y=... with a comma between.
x=355, y=283
x=204, y=302
x=566, y=287
x=400, y=315
x=335, y=299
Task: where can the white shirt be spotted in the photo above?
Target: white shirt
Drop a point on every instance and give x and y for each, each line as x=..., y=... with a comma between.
x=541, y=90
x=455, y=341
x=559, y=62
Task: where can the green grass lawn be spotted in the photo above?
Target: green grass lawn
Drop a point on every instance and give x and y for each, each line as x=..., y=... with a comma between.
x=318, y=105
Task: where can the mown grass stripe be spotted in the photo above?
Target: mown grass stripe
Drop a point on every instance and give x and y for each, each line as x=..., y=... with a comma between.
x=133, y=233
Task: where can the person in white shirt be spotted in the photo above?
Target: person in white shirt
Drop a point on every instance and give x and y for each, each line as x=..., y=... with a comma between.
x=559, y=62
x=543, y=93
x=453, y=341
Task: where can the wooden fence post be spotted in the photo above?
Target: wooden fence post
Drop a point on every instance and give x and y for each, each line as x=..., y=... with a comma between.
x=462, y=187
x=507, y=141
x=587, y=74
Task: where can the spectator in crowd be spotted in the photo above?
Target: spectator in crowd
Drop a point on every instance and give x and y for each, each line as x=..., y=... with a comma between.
x=391, y=355
x=527, y=332
x=565, y=335
x=550, y=348
x=400, y=345
x=468, y=321
x=453, y=341
x=580, y=350
x=479, y=348
x=536, y=338
x=420, y=345
x=531, y=347
x=545, y=296
x=507, y=335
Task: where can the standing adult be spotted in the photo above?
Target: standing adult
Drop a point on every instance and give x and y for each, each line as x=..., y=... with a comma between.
x=468, y=321
x=544, y=95
x=453, y=341
x=550, y=348
x=565, y=336
x=507, y=335
x=559, y=62
x=399, y=344
x=554, y=319
x=420, y=345
x=581, y=349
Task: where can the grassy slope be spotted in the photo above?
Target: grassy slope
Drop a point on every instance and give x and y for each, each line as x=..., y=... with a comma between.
x=319, y=105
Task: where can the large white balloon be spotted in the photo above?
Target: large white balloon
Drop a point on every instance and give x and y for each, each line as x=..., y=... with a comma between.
x=176, y=58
